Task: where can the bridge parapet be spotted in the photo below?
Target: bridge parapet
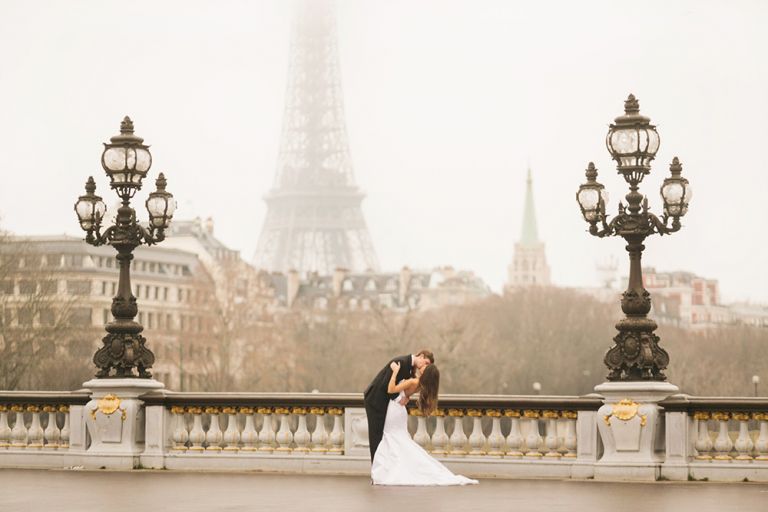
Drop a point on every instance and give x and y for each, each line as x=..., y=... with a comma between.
x=478, y=435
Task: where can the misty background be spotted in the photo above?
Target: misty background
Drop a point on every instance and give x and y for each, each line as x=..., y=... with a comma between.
x=447, y=104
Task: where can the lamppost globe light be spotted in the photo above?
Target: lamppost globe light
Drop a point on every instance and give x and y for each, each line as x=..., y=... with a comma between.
x=632, y=141
x=90, y=208
x=160, y=205
x=126, y=160
x=755, y=379
x=676, y=192
x=592, y=196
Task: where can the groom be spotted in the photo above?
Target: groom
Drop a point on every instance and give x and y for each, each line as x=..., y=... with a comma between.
x=376, y=396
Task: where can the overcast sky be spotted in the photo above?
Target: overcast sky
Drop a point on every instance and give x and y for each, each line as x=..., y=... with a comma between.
x=446, y=102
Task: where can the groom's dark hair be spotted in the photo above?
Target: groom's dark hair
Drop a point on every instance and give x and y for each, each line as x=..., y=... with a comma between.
x=428, y=354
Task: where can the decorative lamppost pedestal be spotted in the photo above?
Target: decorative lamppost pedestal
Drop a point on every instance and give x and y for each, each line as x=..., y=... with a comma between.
x=114, y=416
x=628, y=421
x=115, y=420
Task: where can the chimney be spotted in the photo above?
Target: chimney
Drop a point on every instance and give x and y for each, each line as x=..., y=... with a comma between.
x=293, y=287
x=338, y=279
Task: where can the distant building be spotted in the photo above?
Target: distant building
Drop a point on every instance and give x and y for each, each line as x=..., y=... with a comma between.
x=685, y=299
x=399, y=292
x=529, y=266
x=172, y=287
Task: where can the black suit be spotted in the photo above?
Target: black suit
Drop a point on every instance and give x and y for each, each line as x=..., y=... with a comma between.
x=377, y=399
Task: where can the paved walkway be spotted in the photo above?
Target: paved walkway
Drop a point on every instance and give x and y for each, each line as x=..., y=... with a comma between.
x=166, y=491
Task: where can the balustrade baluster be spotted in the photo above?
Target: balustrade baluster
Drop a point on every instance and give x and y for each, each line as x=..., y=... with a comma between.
x=267, y=432
x=5, y=429
x=52, y=433
x=570, y=441
x=495, y=439
x=533, y=439
x=337, y=434
x=65, y=430
x=284, y=436
x=180, y=435
x=515, y=437
x=232, y=434
x=703, y=442
x=723, y=443
x=477, y=437
x=301, y=437
x=551, y=441
x=761, y=445
x=319, y=438
x=197, y=434
x=214, y=436
x=458, y=439
x=249, y=437
x=19, y=431
x=439, y=436
x=743, y=443
x=420, y=436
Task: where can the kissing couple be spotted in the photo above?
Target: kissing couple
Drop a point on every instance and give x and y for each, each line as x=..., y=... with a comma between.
x=396, y=458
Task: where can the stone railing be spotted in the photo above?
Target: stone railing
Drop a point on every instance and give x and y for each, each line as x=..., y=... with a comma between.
x=716, y=438
x=477, y=435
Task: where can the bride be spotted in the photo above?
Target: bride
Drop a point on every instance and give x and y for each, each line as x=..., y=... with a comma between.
x=399, y=460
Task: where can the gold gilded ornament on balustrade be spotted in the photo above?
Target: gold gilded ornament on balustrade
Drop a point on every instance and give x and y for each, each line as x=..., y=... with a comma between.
x=33, y=408
x=49, y=408
x=701, y=415
x=246, y=410
x=456, y=413
x=107, y=406
x=299, y=410
x=512, y=413
x=229, y=410
x=625, y=410
x=282, y=410
x=211, y=410
x=177, y=409
x=335, y=411
x=570, y=415
x=64, y=408
x=415, y=411
x=17, y=408
x=3, y=408
x=439, y=412
x=318, y=411
x=721, y=416
x=551, y=415
x=760, y=416
x=264, y=410
x=741, y=416
x=194, y=410
x=474, y=413
x=531, y=414
x=493, y=413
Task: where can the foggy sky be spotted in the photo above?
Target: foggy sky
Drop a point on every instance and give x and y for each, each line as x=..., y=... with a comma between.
x=447, y=102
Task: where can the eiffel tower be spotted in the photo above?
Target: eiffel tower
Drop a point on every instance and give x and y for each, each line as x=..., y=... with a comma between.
x=314, y=221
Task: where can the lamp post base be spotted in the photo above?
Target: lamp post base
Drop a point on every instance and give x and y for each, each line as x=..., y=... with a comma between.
x=115, y=421
x=628, y=423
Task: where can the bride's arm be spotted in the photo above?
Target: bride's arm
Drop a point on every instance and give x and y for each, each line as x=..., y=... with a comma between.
x=400, y=386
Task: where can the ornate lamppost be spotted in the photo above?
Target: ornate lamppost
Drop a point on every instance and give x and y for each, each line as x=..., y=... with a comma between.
x=633, y=142
x=126, y=160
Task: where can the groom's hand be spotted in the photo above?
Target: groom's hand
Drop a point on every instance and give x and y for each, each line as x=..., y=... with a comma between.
x=395, y=366
x=404, y=401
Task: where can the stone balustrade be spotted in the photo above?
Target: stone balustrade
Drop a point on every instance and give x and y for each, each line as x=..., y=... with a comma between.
x=477, y=435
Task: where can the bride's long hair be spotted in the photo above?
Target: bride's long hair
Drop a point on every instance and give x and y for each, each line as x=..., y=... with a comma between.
x=429, y=384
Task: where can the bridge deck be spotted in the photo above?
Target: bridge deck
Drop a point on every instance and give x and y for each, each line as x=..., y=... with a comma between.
x=166, y=491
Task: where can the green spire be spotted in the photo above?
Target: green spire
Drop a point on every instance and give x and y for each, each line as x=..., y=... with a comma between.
x=530, y=232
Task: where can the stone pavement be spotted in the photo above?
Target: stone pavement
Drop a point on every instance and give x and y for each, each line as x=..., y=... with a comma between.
x=170, y=491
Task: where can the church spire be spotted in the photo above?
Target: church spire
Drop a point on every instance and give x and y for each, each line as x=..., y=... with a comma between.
x=530, y=236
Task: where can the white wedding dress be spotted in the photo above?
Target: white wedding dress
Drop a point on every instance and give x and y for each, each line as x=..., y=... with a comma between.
x=399, y=460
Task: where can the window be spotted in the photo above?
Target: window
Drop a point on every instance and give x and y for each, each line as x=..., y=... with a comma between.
x=6, y=286
x=53, y=260
x=105, y=316
x=80, y=317
x=27, y=287
x=79, y=287
x=49, y=287
x=25, y=317
x=47, y=317
x=103, y=287
x=73, y=260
